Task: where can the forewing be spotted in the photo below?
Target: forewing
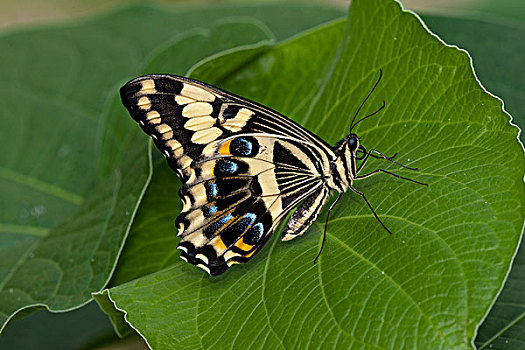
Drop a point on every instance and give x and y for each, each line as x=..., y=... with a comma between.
x=172, y=108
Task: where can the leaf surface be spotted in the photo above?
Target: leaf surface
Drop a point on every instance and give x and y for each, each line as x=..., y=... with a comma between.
x=504, y=326
x=429, y=284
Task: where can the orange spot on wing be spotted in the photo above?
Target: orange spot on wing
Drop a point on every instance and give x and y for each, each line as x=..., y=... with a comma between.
x=250, y=254
x=243, y=246
x=219, y=245
x=225, y=148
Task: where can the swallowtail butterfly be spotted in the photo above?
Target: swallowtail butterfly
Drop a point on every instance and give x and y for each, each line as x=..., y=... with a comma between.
x=243, y=167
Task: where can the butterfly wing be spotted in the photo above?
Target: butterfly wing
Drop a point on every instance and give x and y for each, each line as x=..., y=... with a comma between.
x=243, y=166
x=244, y=188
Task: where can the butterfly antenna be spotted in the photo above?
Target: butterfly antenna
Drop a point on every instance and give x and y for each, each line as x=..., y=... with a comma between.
x=368, y=116
x=366, y=98
x=326, y=225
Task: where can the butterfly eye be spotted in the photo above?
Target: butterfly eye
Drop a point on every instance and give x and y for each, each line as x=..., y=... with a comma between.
x=353, y=142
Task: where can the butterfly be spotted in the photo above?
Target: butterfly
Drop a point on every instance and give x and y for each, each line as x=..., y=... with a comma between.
x=243, y=166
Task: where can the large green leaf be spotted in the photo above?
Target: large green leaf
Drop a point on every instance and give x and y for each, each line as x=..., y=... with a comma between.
x=504, y=327
x=53, y=110
x=150, y=247
x=77, y=257
x=428, y=285
x=72, y=330
x=501, y=74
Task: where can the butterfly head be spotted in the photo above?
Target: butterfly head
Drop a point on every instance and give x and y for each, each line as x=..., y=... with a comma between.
x=352, y=141
x=350, y=153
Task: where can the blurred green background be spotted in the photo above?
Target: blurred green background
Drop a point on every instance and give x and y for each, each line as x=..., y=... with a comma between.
x=20, y=13
x=88, y=327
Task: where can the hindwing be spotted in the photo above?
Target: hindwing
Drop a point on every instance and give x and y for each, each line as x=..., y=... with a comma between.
x=243, y=166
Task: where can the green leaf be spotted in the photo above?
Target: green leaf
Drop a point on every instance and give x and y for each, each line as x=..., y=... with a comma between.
x=504, y=327
x=52, y=116
x=71, y=330
x=77, y=257
x=115, y=315
x=429, y=284
x=505, y=324
x=153, y=250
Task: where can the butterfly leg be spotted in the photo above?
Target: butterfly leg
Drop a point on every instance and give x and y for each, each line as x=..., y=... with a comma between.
x=370, y=206
x=390, y=159
x=368, y=154
x=365, y=159
x=326, y=225
x=389, y=173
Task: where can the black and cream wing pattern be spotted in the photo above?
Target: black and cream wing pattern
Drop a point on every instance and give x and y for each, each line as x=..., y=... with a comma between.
x=243, y=167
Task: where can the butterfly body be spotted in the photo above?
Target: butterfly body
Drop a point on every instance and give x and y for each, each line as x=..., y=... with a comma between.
x=243, y=167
